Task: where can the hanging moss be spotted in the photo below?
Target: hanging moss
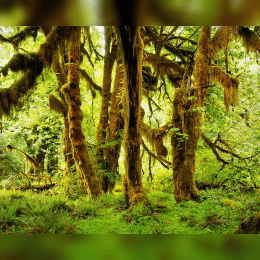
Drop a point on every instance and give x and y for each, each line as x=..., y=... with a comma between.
x=155, y=137
x=163, y=65
x=229, y=83
x=22, y=62
x=4, y=104
x=222, y=37
x=149, y=81
x=32, y=66
x=61, y=73
x=48, y=49
x=250, y=39
x=9, y=96
x=56, y=105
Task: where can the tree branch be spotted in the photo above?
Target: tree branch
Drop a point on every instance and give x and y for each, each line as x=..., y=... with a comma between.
x=154, y=156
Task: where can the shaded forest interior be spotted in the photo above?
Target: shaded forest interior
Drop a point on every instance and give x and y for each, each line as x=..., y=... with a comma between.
x=97, y=112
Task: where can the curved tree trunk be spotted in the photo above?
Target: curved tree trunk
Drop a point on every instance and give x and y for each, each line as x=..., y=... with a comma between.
x=132, y=52
x=187, y=117
x=71, y=92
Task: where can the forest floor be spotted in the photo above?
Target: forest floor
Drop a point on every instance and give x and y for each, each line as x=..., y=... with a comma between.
x=218, y=211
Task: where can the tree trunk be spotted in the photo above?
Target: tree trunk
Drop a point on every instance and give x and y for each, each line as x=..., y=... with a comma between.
x=52, y=157
x=61, y=74
x=187, y=117
x=67, y=150
x=40, y=155
x=116, y=123
x=71, y=92
x=132, y=52
x=103, y=121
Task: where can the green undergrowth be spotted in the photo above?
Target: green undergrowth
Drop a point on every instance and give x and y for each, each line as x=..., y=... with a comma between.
x=217, y=211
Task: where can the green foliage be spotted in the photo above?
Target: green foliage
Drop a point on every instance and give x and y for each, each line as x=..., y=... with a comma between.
x=218, y=211
x=26, y=213
x=71, y=185
x=162, y=181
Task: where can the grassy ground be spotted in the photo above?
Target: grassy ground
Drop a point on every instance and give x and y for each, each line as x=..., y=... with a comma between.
x=218, y=211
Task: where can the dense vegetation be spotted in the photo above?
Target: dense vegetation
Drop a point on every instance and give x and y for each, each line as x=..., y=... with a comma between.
x=129, y=130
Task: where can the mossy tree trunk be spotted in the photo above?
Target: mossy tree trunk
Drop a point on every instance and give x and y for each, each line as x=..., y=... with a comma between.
x=188, y=118
x=67, y=150
x=116, y=123
x=109, y=60
x=132, y=53
x=61, y=74
x=71, y=92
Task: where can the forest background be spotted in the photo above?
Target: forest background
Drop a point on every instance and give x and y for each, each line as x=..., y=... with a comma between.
x=239, y=126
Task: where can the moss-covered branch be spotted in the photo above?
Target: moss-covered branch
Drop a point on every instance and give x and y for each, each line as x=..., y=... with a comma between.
x=155, y=137
x=15, y=40
x=31, y=65
x=32, y=162
x=85, y=52
x=179, y=52
x=163, y=65
x=184, y=39
x=213, y=148
x=154, y=156
x=23, y=62
x=90, y=82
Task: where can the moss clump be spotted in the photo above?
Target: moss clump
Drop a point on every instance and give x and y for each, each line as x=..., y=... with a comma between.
x=228, y=202
x=155, y=137
x=250, y=225
x=22, y=62
x=250, y=39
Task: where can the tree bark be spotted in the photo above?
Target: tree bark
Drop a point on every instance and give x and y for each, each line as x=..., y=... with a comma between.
x=188, y=118
x=103, y=121
x=71, y=92
x=132, y=52
x=116, y=123
x=61, y=74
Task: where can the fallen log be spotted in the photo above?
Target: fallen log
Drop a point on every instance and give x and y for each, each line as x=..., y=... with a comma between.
x=37, y=187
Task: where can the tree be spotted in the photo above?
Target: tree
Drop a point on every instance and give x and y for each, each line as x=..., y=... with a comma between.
x=116, y=124
x=109, y=60
x=131, y=45
x=71, y=92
